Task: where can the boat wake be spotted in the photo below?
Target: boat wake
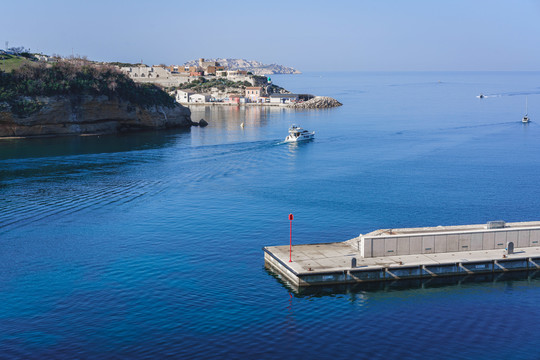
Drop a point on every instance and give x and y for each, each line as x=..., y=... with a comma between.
x=482, y=96
x=513, y=93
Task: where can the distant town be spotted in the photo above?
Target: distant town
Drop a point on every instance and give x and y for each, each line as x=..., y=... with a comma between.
x=197, y=82
x=210, y=82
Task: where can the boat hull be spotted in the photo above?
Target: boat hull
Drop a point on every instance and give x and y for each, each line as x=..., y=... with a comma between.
x=300, y=138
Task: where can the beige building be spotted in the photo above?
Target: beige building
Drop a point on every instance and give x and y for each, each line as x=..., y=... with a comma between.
x=156, y=75
x=253, y=93
x=144, y=71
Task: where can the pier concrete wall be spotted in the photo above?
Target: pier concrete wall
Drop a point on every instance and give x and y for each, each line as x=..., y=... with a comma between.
x=443, y=242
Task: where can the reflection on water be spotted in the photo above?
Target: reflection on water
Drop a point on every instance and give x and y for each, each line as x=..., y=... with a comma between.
x=445, y=282
x=296, y=146
x=230, y=117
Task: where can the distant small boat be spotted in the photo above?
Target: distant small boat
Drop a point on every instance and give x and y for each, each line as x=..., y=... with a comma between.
x=242, y=125
x=481, y=96
x=525, y=118
x=298, y=134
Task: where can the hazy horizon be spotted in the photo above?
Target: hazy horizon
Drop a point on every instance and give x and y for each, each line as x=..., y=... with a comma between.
x=418, y=35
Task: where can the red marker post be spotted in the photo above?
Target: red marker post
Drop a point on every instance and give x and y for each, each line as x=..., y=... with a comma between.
x=291, y=217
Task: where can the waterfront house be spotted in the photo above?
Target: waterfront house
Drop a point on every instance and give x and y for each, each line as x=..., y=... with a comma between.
x=283, y=98
x=236, y=99
x=183, y=96
x=199, y=98
x=253, y=93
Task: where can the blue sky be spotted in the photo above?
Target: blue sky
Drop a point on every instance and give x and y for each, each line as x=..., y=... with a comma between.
x=392, y=35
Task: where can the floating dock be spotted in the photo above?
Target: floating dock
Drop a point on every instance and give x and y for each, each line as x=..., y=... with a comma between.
x=413, y=253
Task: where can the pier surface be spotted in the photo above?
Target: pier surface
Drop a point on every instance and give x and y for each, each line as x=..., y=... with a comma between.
x=332, y=263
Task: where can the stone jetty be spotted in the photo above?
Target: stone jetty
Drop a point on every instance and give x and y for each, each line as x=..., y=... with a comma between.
x=318, y=102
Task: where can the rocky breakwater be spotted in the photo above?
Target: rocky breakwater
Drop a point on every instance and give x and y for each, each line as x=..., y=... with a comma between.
x=89, y=114
x=318, y=102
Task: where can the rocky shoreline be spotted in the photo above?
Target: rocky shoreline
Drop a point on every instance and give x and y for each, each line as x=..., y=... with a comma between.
x=92, y=115
x=81, y=115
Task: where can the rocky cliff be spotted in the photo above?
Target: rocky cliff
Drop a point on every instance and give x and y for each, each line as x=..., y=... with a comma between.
x=87, y=114
x=255, y=67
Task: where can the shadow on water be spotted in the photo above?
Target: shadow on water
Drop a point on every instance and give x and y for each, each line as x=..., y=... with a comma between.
x=80, y=145
x=408, y=284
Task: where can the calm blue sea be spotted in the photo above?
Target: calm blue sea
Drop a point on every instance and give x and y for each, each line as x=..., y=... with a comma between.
x=148, y=245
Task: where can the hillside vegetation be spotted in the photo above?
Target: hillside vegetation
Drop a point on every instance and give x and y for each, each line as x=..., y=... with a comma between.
x=222, y=85
x=10, y=62
x=20, y=88
x=204, y=85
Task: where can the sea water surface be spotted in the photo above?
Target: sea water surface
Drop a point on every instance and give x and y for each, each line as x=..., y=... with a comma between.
x=148, y=245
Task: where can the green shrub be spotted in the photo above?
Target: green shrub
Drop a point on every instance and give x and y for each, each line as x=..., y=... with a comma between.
x=25, y=107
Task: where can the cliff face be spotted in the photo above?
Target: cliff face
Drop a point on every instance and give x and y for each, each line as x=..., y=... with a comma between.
x=255, y=67
x=91, y=115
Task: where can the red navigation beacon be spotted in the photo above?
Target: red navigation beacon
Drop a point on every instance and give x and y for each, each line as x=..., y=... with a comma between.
x=291, y=217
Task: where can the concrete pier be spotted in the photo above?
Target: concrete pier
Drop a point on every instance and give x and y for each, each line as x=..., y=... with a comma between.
x=353, y=261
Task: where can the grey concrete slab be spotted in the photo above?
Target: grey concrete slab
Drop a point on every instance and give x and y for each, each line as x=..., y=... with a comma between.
x=337, y=257
x=535, y=238
x=523, y=239
x=404, y=246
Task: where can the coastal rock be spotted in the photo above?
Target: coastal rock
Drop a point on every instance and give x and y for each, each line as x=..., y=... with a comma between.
x=203, y=123
x=91, y=115
x=318, y=102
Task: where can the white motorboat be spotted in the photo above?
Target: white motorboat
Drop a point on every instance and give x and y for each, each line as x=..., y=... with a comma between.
x=298, y=134
x=525, y=118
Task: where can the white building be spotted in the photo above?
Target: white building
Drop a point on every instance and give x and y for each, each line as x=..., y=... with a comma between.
x=199, y=98
x=283, y=98
x=183, y=96
x=43, y=58
x=186, y=96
